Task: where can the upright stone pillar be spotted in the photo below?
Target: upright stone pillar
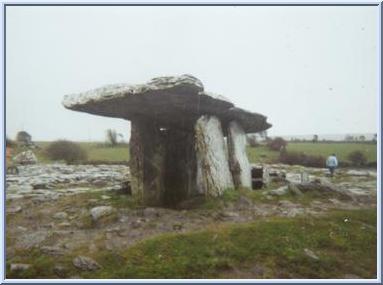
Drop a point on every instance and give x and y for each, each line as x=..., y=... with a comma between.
x=213, y=174
x=147, y=162
x=238, y=161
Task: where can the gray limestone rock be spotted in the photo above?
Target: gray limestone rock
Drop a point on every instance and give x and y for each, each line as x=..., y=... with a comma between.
x=101, y=211
x=60, y=215
x=162, y=99
x=85, y=263
x=213, y=174
x=19, y=267
x=279, y=192
x=238, y=161
x=25, y=157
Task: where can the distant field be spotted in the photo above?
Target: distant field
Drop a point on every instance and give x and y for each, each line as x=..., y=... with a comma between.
x=96, y=152
x=342, y=150
x=261, y=154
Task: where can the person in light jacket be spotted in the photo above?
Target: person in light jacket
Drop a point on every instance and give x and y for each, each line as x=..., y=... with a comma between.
x=332, y=163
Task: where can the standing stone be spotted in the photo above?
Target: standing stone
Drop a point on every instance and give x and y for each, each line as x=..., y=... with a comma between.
x=147, y=164
x=239, y=164
x=213, y=174
x=136, y=160
x=180, y=166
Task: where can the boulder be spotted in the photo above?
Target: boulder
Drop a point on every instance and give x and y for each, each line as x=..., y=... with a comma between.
x=25, y=158
x=213, y=174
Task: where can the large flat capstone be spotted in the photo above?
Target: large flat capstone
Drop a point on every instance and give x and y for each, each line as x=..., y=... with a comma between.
x=163, y=99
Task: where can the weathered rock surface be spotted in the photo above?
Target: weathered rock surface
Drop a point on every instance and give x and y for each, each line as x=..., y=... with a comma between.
x=85, y=263
x=60, y=216
x=311, y=254
x=238, y=161
x=19, y=266
x=162, y=99
x=279, y=191
x=101, y=211
x=25, y=157
x=213, y=174
x=62, y=180
x=249, y=121
x=147, y=163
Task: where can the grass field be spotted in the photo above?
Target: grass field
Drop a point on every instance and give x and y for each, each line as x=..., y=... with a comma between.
x=95, y=151
x=101, y=152
x=342, y=150
x=272, y=248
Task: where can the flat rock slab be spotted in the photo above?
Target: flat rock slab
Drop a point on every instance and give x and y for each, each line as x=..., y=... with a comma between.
x=162, y=99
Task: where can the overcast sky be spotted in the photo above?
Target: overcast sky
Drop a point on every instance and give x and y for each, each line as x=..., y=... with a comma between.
x=310, y=70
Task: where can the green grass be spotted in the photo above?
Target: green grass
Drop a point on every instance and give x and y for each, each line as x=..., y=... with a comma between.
x=342, y=150
x=104, y=153
x=107, y=153
x=276, y=245
x=97, y=152
x=262, y=154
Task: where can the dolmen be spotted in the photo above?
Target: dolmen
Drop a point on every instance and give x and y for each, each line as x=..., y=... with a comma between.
x=184, y=141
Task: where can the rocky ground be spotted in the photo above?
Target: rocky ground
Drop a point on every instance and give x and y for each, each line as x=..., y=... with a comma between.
x=72, y=210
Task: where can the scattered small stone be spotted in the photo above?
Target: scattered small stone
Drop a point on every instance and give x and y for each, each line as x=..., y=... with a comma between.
x=311, y=254
x=19, y=267
x=177, y=227
x=294, y=178
x=279, y=192
x=151, y=212
x=243, y=203
x=294, y=189
x=64, y=225
x=60, y=271
x=105, y=197
x=40, y=186
x=14, y=210
x=13, y=196
x=49, y=226
x=60, y=216
x=92, y=247
x=136, y=224
x=357, y=173
x=268, y=197
x=351, y=276
x=52, y=250
x=85, y=263
x=229, y=214
x=101, y=211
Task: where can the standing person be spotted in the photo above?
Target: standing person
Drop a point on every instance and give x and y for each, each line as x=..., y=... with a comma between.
x=332, y=163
